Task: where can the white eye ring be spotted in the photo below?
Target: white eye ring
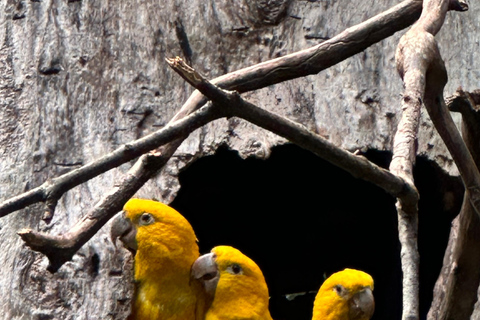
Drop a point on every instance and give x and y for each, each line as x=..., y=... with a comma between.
x=146, y=219
x=340, y=290
x=235, y=269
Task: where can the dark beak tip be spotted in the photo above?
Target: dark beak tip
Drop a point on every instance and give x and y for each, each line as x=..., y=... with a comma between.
x=362, y=304
x=369, y=302
x=204, y=265
x=122, y=229
x=117, y=227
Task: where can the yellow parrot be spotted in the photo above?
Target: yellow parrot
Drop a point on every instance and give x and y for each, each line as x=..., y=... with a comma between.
x=345, y=295
x=234, y=283
x=166, y=247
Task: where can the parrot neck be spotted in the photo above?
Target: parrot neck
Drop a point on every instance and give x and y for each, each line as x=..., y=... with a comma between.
x=238, y=305
x=165, y=296
x=149, y=264
x=330, y=307
x=235, y=312
x=163, y=286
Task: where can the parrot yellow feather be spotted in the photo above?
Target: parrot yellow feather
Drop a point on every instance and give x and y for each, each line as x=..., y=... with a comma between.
x=166, y=247
x=235, y=284
x=345, y=295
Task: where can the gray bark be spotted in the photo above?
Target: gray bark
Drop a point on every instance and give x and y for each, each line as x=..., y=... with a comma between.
x=422, y=70
x=455, y=292
x=80, y=78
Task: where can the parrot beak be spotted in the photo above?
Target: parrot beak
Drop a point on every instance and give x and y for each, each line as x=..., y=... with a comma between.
x=123, y=229
x=205, y=270
x=362, y=304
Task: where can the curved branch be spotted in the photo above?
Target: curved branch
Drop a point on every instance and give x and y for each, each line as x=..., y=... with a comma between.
x=235, y=106
x=60, y=249
x=421, y=68
x=455, y=291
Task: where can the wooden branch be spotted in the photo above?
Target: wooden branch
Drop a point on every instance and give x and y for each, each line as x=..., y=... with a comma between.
x=455, y=291
x=317, y=58
x=234, y=106
x=447, y=129
x=468, y=104
x=60, y=249
x=417, y=63
x=53, y=189
x=305, y=62
x=310, y=61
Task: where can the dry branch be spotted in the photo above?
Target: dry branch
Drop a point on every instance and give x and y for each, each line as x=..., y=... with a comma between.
x=305, y=62
x=309, y=61
x=60, y=249
x=455, y=291
x=235, y=106
x=421, y=68
x=53, y=189
x=317, y=58
x=447, y=129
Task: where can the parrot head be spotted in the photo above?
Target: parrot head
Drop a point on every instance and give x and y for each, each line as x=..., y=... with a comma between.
x=157, y=233
x=234, y=284
x=165, y=248
x=345, y=295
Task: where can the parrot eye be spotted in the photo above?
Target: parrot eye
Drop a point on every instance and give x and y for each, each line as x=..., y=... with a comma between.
x=146, y=219
x=235, y=269
x=340, y=290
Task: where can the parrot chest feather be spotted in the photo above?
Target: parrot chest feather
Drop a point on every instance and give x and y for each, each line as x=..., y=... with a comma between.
x=164, y=290
x=165, y=302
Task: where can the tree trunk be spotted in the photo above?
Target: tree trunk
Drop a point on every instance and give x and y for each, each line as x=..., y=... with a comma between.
x=80, y=78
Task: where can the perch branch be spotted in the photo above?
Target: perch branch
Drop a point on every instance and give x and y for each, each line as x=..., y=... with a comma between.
x=455, y=291
x=447, y=129
x=53, y=189
x=235, y=106
x=60, y=249
x=417, y=60
x=309, y=61
x=317, y=58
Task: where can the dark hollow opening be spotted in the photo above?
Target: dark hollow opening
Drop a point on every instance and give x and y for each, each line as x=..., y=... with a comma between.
x=301, y=219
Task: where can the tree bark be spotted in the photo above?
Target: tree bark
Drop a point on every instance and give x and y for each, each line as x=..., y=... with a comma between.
x=422, y=70
x=455, y=292
x=78, y=79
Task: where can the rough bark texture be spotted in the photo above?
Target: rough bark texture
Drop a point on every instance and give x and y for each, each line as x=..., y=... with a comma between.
x=422, y=70
x=456, y=288
x=60, y=249
x=80, y=78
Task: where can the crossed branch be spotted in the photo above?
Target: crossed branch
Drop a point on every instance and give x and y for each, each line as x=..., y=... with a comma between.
x=60, y=248
x=424, y=76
